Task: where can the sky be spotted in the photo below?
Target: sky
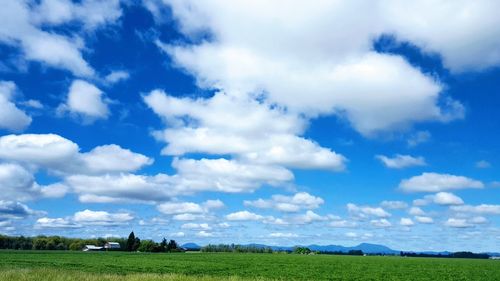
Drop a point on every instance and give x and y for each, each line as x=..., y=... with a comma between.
x=274, y=122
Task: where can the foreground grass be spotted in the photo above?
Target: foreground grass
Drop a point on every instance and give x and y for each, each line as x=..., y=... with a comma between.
x=141, y=266
x=51, y=274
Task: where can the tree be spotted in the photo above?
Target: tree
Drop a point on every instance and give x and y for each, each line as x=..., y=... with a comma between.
x=172, y=246
x=163, y=245
x=130, y=242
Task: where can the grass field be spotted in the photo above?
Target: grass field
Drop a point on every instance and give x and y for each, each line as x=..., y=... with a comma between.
x=37, y=265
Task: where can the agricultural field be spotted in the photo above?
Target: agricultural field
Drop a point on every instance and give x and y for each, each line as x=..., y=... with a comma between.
x=40, y=265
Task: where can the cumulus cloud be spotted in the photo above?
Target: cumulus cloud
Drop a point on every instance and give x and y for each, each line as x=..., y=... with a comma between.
x=394, y=204
x=209, y=132
x=406, y=222
x=295, y=203
x=440, y=198
x=117, y=76
x=60, y=155
x=424, y=219
x=416, y=211
x=15, y=210
x=196, y=226
x=170, y=208
x=113, y=158
x=11, y=117
x=22, y=22
x=434, y=182
x=343, y=224
x=243, y=216
x=380, y=223
x=366, y=211
x=283, y=235
x=314, y=75
x=85, y=101
x=101, y=217
x=457, y=223
x=47, y=223
x=401, y=161
x=478, y=209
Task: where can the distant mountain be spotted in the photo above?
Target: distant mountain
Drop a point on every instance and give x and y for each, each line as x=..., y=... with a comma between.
x=191, y=246
x=365, y=247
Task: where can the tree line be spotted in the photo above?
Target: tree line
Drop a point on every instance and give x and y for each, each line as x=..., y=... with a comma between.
x=234, y=248
x=43, y=242
x=457, y=255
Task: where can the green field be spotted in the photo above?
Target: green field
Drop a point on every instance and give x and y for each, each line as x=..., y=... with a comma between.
x=40, y=265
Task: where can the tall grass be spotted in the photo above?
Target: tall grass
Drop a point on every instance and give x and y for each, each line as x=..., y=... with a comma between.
x=42, y=274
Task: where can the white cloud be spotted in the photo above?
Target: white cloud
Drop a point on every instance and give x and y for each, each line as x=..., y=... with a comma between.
x=440, y=198
x=171, y=208
x=204, y=234
x=17, y=183
x=38, y=149
x=394, y=204
x=307, y=218
x=243, y=216
x=317, y=74
x=45, y=222
x=457, y=223
x=295, y=203
x=364, y=211
x=406, y=222
x=196, y=226
x=11, y=117
x=416, y=211
x=101, y=217
x=208, y=131
x=380, y=223
x=226, y=175
x=15, y=210
x=113, y=158
x=446, y=198
x=61, y=155
x=23, y=24
x=401, y=161
x=478, y=209
x=178, y=234
x=86, y=101
x=213, y=204
x=343, y=224
x=121, y=188
x=283, y=235
x=433, y=182
x=117, y=76
x=424, y=220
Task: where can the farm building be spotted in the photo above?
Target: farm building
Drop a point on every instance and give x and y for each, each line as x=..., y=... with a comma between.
x=89, y=248
x=112, y=246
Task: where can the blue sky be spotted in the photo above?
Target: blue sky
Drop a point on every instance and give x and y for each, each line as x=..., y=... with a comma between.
x=255, y=121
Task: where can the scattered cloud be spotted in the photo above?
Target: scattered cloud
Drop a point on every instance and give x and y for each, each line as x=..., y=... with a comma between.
x=394, y=205
x=434, y=182
x=85, y=101
x=401, y=161
x=295, y=203
x=243, y=216
x=366, y=211
x=11, y=117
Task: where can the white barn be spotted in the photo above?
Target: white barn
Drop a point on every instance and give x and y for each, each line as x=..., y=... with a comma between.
x=89, y=248
x=112, y=246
